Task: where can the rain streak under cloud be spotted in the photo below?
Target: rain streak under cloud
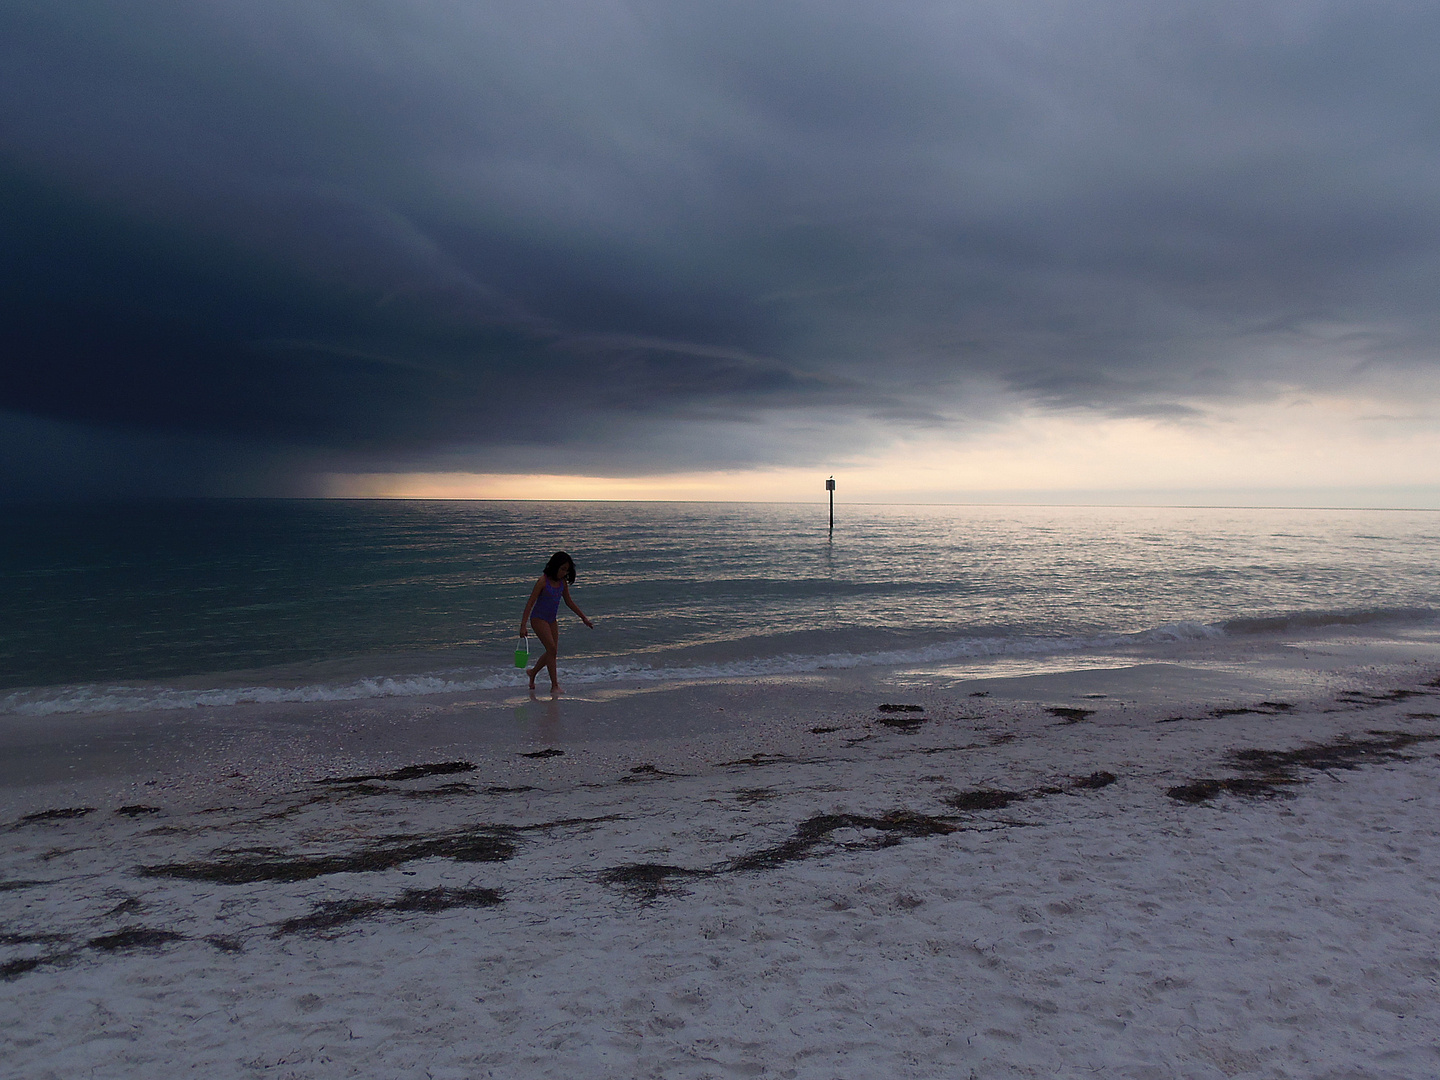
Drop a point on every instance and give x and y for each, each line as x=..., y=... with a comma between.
x=245, y=246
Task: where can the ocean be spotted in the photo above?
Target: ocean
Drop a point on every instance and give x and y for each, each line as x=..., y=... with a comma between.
x=208, y=603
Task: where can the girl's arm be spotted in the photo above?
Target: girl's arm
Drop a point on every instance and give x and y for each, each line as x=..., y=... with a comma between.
x=571, y=605
x=530, y=604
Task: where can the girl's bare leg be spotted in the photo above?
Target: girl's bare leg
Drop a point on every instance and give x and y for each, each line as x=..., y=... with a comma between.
x=554, y=656
x=549, y=635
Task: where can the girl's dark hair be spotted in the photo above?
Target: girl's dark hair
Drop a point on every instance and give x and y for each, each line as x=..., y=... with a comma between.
x=552, y=568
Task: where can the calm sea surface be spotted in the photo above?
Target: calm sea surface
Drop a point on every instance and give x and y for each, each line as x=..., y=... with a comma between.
x=177, y=604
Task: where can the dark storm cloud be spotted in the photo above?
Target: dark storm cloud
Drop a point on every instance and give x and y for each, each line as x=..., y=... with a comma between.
x=392, y=233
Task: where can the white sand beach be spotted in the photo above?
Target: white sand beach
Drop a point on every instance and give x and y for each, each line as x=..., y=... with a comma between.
x=1017, y=875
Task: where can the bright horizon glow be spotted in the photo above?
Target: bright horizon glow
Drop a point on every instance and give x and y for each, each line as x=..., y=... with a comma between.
x=1311, y=451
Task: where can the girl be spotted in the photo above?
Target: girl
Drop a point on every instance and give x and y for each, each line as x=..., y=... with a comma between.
x=542, y=609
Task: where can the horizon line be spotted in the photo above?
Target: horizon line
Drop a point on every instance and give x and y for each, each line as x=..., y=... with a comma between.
x=93, y=500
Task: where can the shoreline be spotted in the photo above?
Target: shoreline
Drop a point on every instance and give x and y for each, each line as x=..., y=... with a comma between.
x=265, y=748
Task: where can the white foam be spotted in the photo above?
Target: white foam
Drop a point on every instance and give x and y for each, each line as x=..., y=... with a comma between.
x=107, y=699
x=53, y=701
x=130, y=699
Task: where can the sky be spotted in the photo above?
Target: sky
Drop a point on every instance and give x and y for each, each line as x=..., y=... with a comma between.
x=1003, y=250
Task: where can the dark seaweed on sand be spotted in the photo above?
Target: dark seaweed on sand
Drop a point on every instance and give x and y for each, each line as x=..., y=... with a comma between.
x=750, y=796
x=444, y=791
x=1271, y=770
x=1263, y=708
x=126, y=940
x=983, y=799
x=409, y=772
x=134, y=937
x=129, y=906
x=10, y=886
x=1359, y=697
x=756, y=759
x=336, y=913
x=954, y=749
x=1343, y=753
x=13, y=969
x=1255, y=787
x=243, y=868
x=993, y=799
x=808, y=834
x=646, y=771
x=649, y=881
x=32, y=939
x=900, y=708
x=549, y=751
x=569, y=822
x=137, y=810
x=57, y=815
x=902, y=723
x=1068, y=714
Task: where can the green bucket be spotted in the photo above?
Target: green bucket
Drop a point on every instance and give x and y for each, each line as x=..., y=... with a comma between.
x=522, y=654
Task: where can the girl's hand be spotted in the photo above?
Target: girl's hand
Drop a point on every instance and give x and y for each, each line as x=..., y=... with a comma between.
x=522, y=628
x=588, y=623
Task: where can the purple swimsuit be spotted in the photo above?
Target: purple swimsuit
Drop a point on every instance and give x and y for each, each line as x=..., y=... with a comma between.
x=547, y=604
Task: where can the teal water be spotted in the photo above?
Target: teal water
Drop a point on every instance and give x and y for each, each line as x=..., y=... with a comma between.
x=392, y=596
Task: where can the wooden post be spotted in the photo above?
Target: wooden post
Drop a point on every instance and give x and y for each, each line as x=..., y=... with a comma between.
x=830, y=487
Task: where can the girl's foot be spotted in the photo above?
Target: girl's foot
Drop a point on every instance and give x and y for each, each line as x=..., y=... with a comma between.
x=532, y=675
